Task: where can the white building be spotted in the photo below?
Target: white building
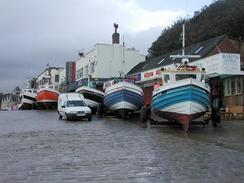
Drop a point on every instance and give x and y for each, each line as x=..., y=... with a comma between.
x=57, y=75
x=106, y=60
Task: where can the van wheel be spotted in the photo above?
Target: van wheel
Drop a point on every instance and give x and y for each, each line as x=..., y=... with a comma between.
x=89, y=118
x=60, y=117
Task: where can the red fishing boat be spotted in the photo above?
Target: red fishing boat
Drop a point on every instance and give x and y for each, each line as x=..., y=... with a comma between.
x=47, y=97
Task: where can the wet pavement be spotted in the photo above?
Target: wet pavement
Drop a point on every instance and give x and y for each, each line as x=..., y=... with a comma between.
x=37, y=147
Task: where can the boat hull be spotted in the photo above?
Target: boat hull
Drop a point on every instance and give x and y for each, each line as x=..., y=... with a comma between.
x=47, y=98
x=93, y=97
x=28, y=100
x=25, y=106
x=123, y=97
x=181, y=102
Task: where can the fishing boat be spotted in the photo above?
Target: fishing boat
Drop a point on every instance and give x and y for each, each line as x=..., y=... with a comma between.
x=47, y=96
x=92, y=96
x=27, y=99
x=123, y=98
x=184, y=96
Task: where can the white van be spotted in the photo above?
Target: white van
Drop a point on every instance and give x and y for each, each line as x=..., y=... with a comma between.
x=72, y=105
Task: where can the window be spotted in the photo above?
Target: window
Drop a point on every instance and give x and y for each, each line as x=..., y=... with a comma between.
x=161, y=61
x=166, y=78
x=199, y=49
x=56, y=78
x=233, y=86
x=184, y=76
x=80, y=73
x=242, y=78
x=238, y=85
x=228, y=86
x=76, y=103
x=202, y=77
x=86, y=70
x=92, y=67
x=144, y=66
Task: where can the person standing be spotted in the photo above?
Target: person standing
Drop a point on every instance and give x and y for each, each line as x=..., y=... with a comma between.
x=215, y=113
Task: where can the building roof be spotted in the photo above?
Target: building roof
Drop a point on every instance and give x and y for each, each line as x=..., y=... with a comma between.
x=202, y=49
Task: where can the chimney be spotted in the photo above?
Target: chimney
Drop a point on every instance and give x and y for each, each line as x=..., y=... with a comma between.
x=115, y=36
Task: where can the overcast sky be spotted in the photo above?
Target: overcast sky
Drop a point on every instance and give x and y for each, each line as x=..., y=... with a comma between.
x=36, y=32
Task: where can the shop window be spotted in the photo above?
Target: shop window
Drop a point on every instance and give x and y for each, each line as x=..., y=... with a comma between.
x=238, y=85
x=242, y=79
x=225, y=87
x=233, y=86
x=228, y=86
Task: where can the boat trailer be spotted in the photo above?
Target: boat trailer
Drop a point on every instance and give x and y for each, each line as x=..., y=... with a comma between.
x=155, y=121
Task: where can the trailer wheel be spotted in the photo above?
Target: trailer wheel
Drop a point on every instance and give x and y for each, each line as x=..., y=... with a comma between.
x=143, y=114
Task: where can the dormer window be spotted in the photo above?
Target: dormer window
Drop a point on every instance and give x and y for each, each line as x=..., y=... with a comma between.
x=161, y=61
x=199, y=49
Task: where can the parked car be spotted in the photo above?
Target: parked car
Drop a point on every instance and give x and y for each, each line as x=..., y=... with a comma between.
x=73, y=106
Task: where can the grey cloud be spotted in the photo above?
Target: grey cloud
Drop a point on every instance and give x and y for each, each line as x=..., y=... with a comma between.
x=36, y=32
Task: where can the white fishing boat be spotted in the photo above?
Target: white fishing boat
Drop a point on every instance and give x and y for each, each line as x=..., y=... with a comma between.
x=184, y=96
x=92, y=96
x=27, y=99
x=123, y=97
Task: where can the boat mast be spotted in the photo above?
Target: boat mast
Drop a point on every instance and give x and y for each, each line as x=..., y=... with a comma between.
x=89, y=72
x=49, y=74
x=183, y=40
x=123, y=63
x=184, y=57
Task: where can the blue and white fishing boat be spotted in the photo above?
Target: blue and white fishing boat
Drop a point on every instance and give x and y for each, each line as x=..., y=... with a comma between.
x=123, y=98
x=184, y=96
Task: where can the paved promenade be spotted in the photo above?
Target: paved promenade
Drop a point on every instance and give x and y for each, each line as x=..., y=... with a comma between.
x=37, y=147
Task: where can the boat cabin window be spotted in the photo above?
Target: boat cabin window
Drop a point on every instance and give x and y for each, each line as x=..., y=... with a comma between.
x=166, y=78
x=184, y=76
x=202, y=77
x=50, y=87
x=76, y=103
